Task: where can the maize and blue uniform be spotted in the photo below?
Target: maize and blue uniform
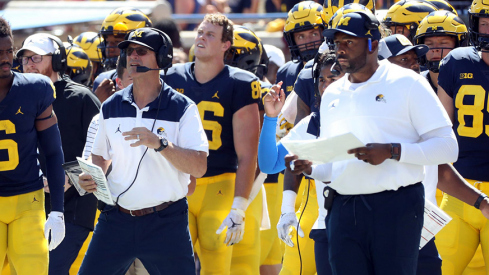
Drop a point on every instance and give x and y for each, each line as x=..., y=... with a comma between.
x=217, y=101
x=288, y=74
x=463, y=77
x=22, y=216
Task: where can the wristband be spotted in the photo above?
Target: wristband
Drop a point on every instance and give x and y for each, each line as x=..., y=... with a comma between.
x=288, y=201
x=477, y=204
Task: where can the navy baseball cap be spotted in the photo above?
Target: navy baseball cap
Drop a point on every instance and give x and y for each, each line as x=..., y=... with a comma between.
x=355, y=24
x=398, y=44
x=145, y=37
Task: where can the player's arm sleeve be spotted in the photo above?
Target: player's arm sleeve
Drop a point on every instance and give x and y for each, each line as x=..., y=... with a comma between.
x=270, y=154
x=91, y=132
x=101, y=144
x=191, y=132
x=438, y=143
x=50, y=142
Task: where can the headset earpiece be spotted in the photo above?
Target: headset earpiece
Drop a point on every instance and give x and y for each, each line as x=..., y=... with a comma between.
x=59, y=58
x=164, y=56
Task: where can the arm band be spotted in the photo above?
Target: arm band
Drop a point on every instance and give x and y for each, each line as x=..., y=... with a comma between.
x=50, y=141
x=45, y=118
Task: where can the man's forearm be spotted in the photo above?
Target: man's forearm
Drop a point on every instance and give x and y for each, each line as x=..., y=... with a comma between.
x=188, y=161
x=452, y=183
x=292, y=182
x=245, y=176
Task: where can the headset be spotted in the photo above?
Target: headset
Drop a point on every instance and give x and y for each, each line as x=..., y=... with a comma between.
x=164, y=55
x=59, y=57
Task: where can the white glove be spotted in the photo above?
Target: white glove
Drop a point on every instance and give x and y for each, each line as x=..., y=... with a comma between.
x=288, y=218
x=235, y=222
x=55, y=224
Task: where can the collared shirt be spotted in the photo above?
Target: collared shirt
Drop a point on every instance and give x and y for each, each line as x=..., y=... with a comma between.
x=157, y=180
x=395, y=105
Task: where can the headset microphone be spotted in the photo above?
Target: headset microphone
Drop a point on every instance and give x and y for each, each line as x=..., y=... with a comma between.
x=334, y=70
x=143, y=69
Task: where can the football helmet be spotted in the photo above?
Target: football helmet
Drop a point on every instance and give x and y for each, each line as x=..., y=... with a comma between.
x=440, y=23
x=119, y=22
x=479, y=8
x=408, y=13
x=344, y=10
x=90, y=43
x=246, y=51
x=443, y=5
x=304, y=16
x=79, y=64
x=332, y=6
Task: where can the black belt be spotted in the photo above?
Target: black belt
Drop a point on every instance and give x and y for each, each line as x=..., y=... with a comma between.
x=145, y=211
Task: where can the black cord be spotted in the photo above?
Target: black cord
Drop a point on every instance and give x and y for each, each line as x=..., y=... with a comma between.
x=299, y=222
x=145, y=151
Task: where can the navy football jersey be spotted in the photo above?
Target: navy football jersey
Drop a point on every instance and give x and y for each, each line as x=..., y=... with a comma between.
x=304, y=87
x=464, y=77
x=217, y=101
x=29, y=96
x=288, y=74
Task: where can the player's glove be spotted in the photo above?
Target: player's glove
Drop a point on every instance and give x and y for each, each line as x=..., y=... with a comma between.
x=235, y=222
x=56, y=225
x=288, y=219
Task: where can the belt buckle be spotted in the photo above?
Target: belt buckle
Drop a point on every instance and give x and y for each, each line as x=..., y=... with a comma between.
x=130, y=212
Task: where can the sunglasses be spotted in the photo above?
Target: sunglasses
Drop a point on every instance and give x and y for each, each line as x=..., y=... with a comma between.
x=35, y=59
x=139, y=51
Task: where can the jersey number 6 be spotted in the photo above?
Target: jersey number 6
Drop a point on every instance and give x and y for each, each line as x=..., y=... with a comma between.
x=10, y=145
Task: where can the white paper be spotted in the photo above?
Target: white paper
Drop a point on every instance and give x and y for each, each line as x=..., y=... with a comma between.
x=434, y=220
x=103, y=191
x=323, y=150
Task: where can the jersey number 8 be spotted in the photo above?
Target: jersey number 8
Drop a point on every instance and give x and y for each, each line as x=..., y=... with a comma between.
x=474, y=110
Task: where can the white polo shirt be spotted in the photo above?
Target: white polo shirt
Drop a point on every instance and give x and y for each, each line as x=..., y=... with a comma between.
x=157, y=180
x=395, y=105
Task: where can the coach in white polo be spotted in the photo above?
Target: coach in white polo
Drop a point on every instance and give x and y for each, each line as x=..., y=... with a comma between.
x=375, y=223
x=154, y=138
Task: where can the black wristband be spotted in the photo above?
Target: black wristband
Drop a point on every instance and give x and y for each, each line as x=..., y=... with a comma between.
x=477, y=204
x=395, y=150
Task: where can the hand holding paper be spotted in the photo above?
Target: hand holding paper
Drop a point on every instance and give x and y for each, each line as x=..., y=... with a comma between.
x=324, y=150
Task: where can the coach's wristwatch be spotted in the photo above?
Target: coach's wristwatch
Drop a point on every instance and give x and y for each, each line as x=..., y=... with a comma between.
x=395, y=151
x=163, y=145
